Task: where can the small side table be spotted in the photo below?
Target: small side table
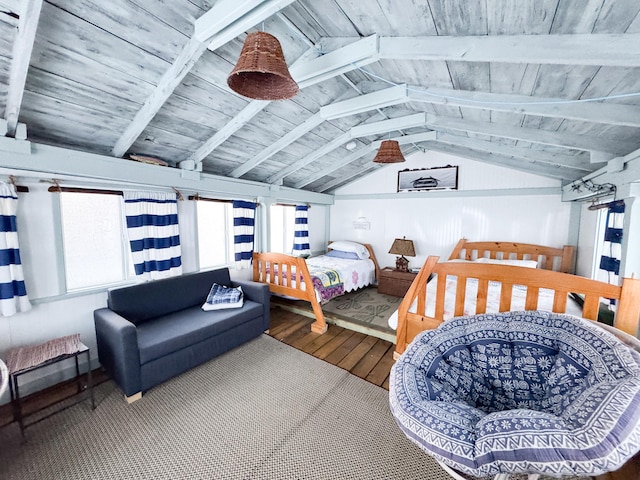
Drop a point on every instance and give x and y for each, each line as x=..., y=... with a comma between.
x=23, y=360
x=394, y=282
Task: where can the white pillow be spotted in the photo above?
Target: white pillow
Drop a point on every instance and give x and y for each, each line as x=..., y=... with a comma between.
x=221, y=297
x=354, y=247
x=509, y=261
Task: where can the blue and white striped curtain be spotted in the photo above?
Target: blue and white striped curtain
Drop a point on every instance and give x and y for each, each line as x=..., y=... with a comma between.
x=13, y=293
x=301, y=237
x=612, y=244
x=152, y=226
x=244, y=215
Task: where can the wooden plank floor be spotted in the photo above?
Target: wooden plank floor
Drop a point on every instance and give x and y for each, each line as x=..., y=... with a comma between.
x=367, y=357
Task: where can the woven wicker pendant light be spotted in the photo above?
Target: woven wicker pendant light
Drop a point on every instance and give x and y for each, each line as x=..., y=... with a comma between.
x=389, y=152
x=261, y=72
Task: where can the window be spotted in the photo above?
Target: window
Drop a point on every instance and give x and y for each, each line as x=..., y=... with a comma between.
x=94, y=240
x=215, y=233
x=283, y=220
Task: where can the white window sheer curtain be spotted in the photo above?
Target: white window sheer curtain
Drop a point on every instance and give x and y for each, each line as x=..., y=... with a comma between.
x=301, y=232
x=154, y=237
x=13, y=292
x=244, y=214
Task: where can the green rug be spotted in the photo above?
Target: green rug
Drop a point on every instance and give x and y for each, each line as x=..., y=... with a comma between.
x=365, y=306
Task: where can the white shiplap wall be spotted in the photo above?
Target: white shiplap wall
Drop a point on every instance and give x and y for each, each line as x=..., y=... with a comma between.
x=491, y=203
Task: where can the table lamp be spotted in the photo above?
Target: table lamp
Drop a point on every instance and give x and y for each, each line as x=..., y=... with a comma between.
x=402, y=247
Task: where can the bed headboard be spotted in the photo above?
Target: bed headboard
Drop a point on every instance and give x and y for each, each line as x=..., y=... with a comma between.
x=548, y=258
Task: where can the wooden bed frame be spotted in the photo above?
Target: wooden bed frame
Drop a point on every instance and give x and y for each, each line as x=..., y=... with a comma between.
x=548, y=258
x=410, y=324
x=263, y=263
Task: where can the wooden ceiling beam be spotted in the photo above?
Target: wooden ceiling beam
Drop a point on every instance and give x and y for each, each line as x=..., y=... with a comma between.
x=21, y=55
x=594, y=112
x=613, y=50
x=545, y=137
x=213, y=29
x=364, y=130
x=306, y=73
x=537, y=156
x=402, y=140
x=352, y=106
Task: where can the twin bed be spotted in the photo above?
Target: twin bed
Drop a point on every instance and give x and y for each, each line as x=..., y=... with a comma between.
x=479, y=277
x=347, y=266
x=488, y=277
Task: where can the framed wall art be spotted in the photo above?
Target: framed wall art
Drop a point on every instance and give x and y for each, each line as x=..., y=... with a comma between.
x=437, y=178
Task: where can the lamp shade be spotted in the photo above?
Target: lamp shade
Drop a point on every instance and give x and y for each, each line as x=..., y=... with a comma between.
x=261, y=72
x=389, y=152
x=402, y=246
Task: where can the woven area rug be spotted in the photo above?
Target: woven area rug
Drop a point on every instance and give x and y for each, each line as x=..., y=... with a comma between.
x=261, y=411
x=365, y=306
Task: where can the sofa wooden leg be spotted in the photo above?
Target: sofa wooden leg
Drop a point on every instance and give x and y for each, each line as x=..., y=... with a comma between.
x=132, y=398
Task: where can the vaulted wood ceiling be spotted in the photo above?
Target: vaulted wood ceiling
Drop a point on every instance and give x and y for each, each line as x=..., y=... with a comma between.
x=544, y=86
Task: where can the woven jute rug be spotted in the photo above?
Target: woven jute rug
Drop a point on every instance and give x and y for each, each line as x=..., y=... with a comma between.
x=261, y=411
x=365, y=306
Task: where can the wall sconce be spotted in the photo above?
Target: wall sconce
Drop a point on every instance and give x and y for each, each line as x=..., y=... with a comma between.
x=402, y=247
x=361, y=224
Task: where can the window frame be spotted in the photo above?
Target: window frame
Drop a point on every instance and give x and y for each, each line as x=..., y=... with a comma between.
x=228, y=232
x=127, y=271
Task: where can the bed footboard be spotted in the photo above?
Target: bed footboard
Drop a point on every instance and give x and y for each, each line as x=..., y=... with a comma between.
x=533, y=279
x=289, y=276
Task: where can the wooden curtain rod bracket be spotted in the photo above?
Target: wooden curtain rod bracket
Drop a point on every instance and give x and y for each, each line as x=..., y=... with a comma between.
x=19, y=188
x=180, y=197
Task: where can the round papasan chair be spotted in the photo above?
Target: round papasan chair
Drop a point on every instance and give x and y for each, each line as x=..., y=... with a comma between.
x=520, y=392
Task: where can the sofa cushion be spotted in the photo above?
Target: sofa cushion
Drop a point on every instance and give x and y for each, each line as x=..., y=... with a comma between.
x=138, y=303
x=178, y=330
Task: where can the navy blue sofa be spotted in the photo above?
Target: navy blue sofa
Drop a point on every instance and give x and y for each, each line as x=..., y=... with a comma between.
x=153, y=331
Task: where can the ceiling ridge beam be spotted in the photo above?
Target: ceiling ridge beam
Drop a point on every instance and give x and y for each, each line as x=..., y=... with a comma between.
x=351, y=106
x=21, y=55
x=363, y=130
x=213, y=27
x=594, y=112
x=559, y=139
x=402, y=140
x=613, y=50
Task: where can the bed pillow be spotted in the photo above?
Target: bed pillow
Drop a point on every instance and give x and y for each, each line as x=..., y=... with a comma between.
x=354, y=247
x=342, y=254
x=221, y=296
x=509, y=261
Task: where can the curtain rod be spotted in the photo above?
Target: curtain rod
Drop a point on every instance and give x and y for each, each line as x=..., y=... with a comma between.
x=600, y=206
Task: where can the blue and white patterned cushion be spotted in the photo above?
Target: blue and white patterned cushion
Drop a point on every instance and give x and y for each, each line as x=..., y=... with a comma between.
x=221, y=296
x=520, y=392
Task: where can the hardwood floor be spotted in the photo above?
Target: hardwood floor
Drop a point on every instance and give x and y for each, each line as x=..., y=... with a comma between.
x=367, y=357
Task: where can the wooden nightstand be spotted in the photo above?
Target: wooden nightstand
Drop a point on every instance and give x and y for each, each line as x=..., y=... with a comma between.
x=394, y=282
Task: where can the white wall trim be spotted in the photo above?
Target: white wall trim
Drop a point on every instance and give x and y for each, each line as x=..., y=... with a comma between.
x=501, y=192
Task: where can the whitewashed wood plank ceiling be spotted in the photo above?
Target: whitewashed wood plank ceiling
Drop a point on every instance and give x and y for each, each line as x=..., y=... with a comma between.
x=548, y=86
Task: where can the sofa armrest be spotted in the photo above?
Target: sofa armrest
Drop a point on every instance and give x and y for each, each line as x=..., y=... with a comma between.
x=118, y=351
x=258, y=292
